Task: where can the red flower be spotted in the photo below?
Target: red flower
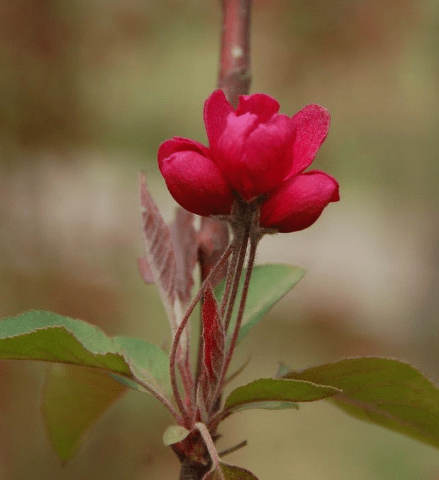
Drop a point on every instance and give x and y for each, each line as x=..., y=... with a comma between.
x=253, y=151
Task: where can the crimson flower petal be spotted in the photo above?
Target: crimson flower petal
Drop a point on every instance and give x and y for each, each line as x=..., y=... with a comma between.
x=299, y=202
x=254, y=152
x=312, y=125
x=194, y=180
x=216, y=110
x=255, y=158
x=178, y=144
x=263, y=106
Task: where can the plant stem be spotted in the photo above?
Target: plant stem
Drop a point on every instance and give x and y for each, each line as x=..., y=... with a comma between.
x=233, y=449
x=186, y=377
x=241, y=247
x=210, y=448
x=192, y=471
x=251, y=261
x=229, y=281
x=159, y=397
x=199, y=367
x=254, y=240
x=234, y=76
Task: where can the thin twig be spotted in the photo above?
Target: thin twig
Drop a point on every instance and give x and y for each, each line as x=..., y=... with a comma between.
x=252, y=255
x=237, y=372
x=237, y=276
x=201, y=427
x=186, y=378
x=227, y=451
x=229, y=279
x=234, y=75
x=159, y=397
x=250, y=265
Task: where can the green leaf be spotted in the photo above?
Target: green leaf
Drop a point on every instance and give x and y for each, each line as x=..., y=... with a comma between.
x=383, y=391
x=234, y=473
x=270, y=405
x=73, y=399
x=147, y=362
x=230, y=473
x=53, y=338
x=46, y=336
x=174, y=434
x=269, y=283
x=275, y=390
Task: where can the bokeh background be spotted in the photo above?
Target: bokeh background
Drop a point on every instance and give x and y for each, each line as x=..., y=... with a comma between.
x=89, y=89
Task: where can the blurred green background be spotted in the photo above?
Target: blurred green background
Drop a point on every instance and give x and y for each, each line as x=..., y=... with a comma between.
x=89, y=89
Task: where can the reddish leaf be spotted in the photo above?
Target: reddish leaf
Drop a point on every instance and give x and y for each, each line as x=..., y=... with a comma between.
x=185, y=241
x=145, y=270
x=213, y=239
x=213, y=336
x=160, y=254
x=180, y=249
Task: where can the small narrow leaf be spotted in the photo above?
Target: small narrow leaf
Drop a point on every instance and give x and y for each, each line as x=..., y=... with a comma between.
x=145, y=270
x=174, y=434
x=213, y=238
x=268, y=285
x=383, y=391
x=73, y=399
x=230, y=473
x=275, y=390
x=184, y=237
x=213, y=336
x=159, y=249
x=185, y=245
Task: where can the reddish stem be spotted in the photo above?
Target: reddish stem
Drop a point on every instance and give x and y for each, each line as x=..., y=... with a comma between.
x=234, y=76
x=237, y=327
x=250, y=265
x=241, y=246
x=229, y=281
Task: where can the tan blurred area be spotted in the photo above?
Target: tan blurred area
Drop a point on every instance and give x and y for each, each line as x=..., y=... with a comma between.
x=89, y=89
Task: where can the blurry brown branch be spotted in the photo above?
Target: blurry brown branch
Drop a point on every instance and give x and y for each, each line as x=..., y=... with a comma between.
x=234, y=75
